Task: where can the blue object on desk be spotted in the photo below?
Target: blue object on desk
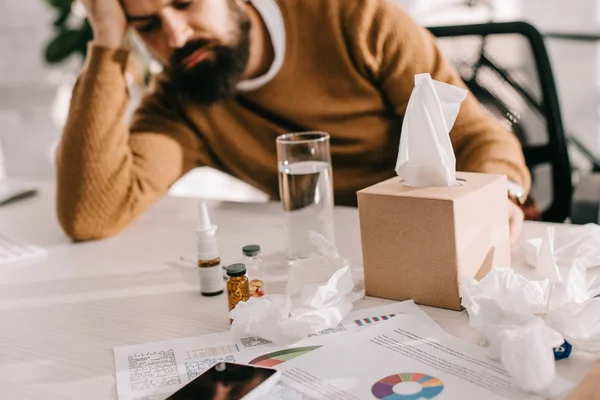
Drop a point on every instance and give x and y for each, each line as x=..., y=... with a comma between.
x=563, y=351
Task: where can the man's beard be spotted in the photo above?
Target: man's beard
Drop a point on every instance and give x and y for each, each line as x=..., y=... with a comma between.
x=215, y=78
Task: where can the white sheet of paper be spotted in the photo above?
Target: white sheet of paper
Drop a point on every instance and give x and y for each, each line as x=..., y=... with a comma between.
x=153, y=371
x=13, y=252
x=406, y=356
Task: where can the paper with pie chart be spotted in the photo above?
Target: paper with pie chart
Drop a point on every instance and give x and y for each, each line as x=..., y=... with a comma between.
x=163, y=367
x=408, y=357
x=425, y=386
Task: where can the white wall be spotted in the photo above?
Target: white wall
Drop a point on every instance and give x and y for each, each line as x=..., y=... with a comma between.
x=26, y=88
x=452, y=12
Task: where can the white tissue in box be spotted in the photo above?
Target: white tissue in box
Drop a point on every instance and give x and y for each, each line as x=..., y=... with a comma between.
x=426, y=156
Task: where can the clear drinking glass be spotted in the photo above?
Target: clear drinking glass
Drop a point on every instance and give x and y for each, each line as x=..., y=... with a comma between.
x=306, y=189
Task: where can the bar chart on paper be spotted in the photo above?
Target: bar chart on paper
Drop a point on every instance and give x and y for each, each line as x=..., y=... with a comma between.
x=370, y=320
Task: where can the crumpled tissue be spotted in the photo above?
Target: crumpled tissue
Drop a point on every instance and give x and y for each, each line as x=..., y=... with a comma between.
x=580, y=244
x=426, y=156
x=522, y=320
x=319, y=294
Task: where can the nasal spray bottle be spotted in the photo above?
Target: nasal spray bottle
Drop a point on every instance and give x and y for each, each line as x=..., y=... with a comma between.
x=209, y=262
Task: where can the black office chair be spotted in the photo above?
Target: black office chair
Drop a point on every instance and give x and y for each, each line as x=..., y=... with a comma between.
x=493, y=60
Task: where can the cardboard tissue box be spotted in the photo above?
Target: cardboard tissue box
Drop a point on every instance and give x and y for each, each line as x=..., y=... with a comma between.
x=424, y=229
x=418, y=241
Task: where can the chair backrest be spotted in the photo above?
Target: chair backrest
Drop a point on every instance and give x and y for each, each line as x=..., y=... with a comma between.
x=506, y=66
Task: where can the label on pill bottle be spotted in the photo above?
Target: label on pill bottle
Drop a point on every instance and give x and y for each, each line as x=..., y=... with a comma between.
x=211, y=280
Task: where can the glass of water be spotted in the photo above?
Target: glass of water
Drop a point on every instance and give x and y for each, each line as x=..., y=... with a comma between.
x=306, y=189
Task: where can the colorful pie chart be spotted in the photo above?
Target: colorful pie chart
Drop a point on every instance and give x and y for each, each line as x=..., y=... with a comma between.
x=278, y=357
x=430, y=386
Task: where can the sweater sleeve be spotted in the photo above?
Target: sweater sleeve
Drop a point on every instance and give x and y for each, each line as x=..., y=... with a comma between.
x=390, y=48
x=108, y=172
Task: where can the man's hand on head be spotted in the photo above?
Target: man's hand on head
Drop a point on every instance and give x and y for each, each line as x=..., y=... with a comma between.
x=515, y=219
x=108, y=22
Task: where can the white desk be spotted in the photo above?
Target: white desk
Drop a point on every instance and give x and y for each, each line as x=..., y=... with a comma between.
x=60, y=319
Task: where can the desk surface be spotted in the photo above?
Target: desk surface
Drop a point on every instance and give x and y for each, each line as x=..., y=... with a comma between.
x=61, y=318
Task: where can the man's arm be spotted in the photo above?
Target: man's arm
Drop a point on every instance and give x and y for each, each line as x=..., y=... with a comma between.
x=391, y=48
x=107, y=172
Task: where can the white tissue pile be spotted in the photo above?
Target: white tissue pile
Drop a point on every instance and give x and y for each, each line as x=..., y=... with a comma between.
x=319, y=294
x=580, y=244
x=522, y=320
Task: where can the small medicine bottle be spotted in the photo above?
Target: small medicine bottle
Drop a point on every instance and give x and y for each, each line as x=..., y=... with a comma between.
x=237, y=285
x=253, y=262
x=252, y=259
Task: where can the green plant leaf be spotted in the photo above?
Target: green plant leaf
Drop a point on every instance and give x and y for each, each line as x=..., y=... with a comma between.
x=63, y=16
x=62, y=46
x=87, y=35
x=60, y=4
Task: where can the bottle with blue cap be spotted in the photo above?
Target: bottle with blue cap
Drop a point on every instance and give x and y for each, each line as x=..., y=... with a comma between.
x=209, y=262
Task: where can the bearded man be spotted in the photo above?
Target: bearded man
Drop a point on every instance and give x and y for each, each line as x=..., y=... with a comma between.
x=236, y=75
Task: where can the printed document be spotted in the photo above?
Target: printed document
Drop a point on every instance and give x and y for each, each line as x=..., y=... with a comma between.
x=14, y=252
x=155, y=370
x=403, y=359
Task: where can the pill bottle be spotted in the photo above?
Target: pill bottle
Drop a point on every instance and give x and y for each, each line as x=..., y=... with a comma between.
x=237, y=285
x=253, y=262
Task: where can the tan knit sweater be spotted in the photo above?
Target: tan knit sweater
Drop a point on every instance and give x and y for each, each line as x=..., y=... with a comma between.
x=349, y=70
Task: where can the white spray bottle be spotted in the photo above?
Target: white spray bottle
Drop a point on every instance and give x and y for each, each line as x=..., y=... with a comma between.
x=209, y=262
